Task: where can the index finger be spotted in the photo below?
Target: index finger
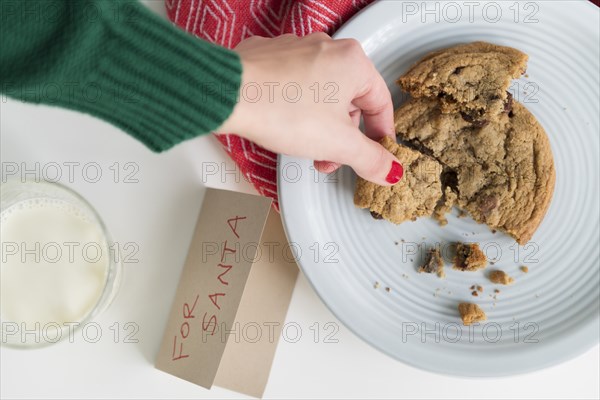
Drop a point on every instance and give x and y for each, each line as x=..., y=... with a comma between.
x=377, y=108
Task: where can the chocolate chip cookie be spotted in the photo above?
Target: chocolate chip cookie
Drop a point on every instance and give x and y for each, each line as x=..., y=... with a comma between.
x=470, y=79
x=502, y=173
x=414, y=196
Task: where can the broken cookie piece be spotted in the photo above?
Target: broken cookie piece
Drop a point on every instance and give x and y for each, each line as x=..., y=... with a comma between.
x=495, y=158
x=471, y=313
x=502, y=174
x=470, y=79
x=500, y=277
x=433, y=263
x=469, y=257
x=416, y=194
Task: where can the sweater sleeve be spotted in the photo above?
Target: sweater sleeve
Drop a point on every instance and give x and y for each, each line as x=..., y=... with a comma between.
x=119, y=62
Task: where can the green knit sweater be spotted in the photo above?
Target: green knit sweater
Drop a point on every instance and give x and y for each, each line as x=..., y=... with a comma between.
x=119, y=62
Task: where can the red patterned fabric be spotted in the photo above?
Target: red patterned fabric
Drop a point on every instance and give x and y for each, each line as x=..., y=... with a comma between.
x=227, y=22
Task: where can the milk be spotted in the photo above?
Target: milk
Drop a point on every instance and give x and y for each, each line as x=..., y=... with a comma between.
x=54, y=264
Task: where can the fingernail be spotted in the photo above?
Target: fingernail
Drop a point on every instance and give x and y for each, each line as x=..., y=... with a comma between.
x=395, y=173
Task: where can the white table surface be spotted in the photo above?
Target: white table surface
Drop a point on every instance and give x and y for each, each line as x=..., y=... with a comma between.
x=158, y=214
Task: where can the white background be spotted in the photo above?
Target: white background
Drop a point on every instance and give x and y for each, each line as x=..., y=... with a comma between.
x=158, y=213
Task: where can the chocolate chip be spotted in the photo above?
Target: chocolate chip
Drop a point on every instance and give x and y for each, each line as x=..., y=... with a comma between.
x=433, y=262
x=463, y=252
x=508, y=104
x=418, y=146
x=487, y=204
x=376, y=215
x=466, y=117
x=477, y=123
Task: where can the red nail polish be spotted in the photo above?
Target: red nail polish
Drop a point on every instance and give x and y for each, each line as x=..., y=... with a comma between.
x=395, y=173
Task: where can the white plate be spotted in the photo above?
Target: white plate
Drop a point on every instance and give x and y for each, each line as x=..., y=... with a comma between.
x=550, y=314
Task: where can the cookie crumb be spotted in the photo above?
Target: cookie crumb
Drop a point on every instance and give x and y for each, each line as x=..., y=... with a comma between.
x=387, y=289
x=376, y=285
x=469, y=257
x=500, y=277
x=472, y=287
x=470, y=313
x=479, y=288
x=474, y=293
x=496, y=290
x=396, y=243
x=525, y=269
x=494, y=231
x=433, y=263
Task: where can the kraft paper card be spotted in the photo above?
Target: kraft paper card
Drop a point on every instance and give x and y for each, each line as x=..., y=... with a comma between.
x=233, y=296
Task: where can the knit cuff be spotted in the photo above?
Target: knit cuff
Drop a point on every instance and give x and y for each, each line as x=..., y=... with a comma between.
x=161, y=84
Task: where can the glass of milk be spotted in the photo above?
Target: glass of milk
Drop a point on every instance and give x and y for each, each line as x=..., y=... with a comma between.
x=59, y=268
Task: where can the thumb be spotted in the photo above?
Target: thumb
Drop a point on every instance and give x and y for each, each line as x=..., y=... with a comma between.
x=373, y=162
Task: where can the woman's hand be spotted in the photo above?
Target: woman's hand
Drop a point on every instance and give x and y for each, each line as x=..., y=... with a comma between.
x=304, y=97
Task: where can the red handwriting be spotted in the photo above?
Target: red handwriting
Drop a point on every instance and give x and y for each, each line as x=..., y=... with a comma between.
x=226, y=250
x=210, y=325
x=233, y=228
x=220, y=277
x=215, y=299
x=184, y=329
x=212, y=321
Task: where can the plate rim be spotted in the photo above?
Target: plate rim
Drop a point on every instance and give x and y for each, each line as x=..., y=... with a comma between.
x=587, y=329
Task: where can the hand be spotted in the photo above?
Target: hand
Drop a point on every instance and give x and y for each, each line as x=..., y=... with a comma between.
x=278, y=108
